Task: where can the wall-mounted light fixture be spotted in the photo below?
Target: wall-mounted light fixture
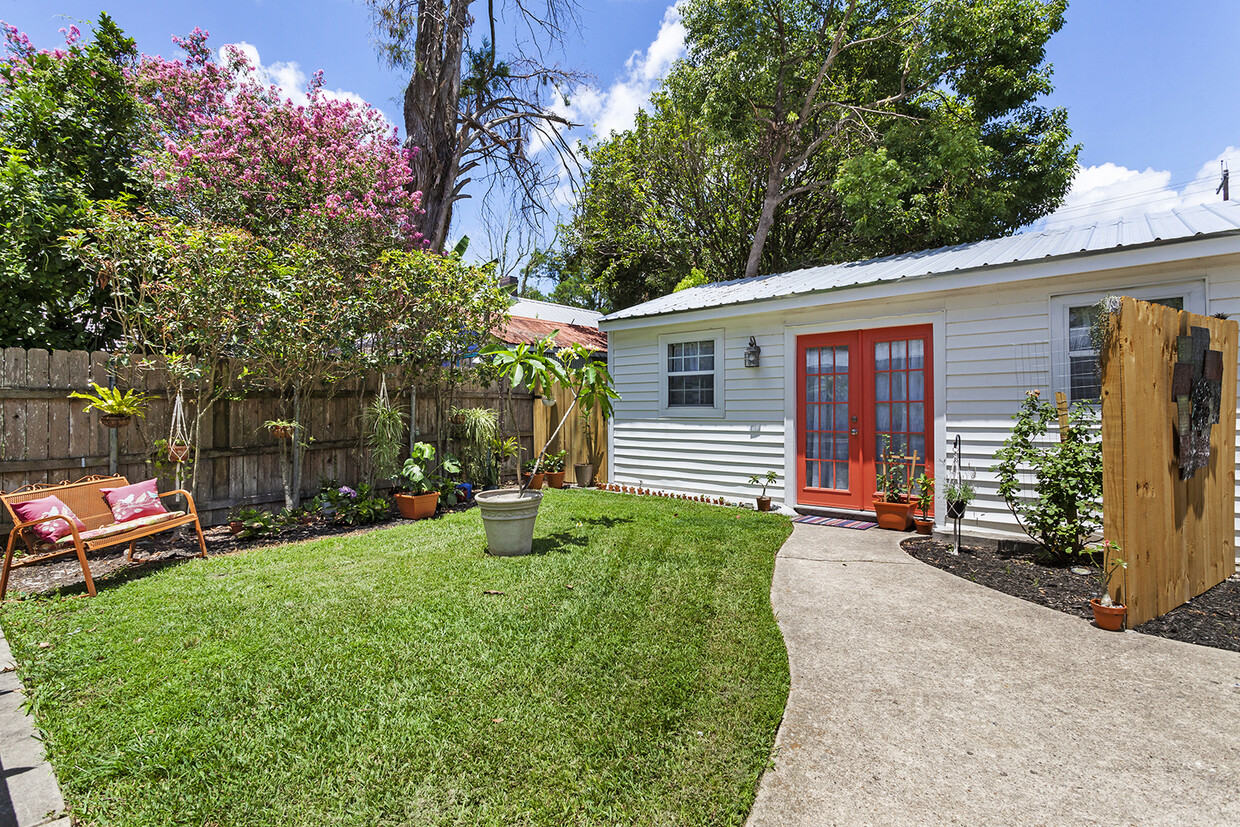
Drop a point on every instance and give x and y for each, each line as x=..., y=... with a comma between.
x=753, y=353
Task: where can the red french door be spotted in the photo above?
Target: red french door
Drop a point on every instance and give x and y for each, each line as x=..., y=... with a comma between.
x=852, y=389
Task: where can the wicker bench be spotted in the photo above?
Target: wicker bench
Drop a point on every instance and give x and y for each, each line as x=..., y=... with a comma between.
x=85, y=499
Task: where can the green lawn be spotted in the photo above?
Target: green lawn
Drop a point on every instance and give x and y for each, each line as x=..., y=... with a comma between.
x=630, y=673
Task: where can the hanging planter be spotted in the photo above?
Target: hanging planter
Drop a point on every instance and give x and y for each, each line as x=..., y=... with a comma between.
x=281, y=428
x=178, y=452
x=115, y=420
x=116, y=409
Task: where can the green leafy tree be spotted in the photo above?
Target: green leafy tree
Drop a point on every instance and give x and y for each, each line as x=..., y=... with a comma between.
x=69, y=132
x=805, y=132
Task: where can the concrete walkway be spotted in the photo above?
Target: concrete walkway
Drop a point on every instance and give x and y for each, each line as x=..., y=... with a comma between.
x=921, y=698
x=29, y=794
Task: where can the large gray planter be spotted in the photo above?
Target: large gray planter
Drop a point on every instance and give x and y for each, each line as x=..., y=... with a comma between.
x=583, y=474
x=508, y=517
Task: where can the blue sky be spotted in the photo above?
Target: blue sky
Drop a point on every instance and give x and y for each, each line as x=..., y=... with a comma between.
x=1146, y=82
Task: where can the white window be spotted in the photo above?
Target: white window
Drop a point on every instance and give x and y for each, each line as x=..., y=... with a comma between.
x=1072, y=319
x=691, y=373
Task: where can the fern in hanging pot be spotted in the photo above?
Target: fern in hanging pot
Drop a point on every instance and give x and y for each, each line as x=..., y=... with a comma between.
x=116, y=408
x=281, y=428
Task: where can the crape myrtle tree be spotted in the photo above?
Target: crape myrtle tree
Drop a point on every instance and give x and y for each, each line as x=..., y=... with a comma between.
x=857, y=128
x=474, y=111
x=69, y=129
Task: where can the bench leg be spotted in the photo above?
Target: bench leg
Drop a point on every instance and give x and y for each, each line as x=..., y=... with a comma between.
x=8, y=562
x=202, y=541
x=90, y=581
x=132, y=548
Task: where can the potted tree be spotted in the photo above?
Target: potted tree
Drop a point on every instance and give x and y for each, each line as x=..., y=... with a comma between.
x=598, y=397
x=891, y=503
x=502, y=450
x=418, y=483
x=509, y=516
x=116, y=409
x=1108, y=614
x=764, y=502
x=925, y=501
x=554, y=464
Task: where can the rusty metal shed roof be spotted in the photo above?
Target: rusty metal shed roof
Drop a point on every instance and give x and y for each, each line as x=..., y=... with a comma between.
x=1176, y=225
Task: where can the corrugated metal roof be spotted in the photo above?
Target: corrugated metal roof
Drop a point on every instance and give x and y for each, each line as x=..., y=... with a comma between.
x=1206, y=219
x=552, y=312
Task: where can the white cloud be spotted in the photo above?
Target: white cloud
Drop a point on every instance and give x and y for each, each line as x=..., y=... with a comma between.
x=1108, y=192
x=287, y=76
x=615, y=108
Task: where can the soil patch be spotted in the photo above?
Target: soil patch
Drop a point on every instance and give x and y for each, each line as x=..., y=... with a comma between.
x=1210, y=619
x=65, y=575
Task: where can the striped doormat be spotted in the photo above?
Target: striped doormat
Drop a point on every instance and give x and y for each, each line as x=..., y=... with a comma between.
x=861, y=525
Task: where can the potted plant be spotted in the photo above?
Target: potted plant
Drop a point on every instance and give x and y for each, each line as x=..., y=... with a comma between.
x=502, y=450
x=419, y=486
x=925, y=501
x=764, y=502
x=116, y=409
x=554, y=465
x=533, y=480
x=958, y=493
x=281, y=428
x=507, y=516
x=891, y=503
x=594, y=397
x=1108, y=614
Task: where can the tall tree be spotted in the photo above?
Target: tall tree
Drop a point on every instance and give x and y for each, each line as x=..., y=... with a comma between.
x=471, y=111
x=804, y=76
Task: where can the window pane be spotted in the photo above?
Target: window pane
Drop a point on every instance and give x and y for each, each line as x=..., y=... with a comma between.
x=841, y=447
x=841, y=387
x=827, y=362
x=841, y=476
x=882, y=356
x=916, y=385
x=691, y=348
x=1083, y=378
x=917, y=443
x=826, y=446
x=898, y=351
x=916, y=357
x=708, y=394
x=706, y=348
x=882, y=387
x=826, y=388
x=841, y=359
x=883, y=412
x=811, y=389
x=824, y=475
x=811, y=474
x=811, y=446
x=898, y=390
x=811, y=360
x=841, y=417
x=899, y=417
x=917, y=417
x=706, y=362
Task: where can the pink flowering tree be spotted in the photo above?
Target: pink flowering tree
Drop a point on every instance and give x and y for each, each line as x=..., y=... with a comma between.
x=330, y=174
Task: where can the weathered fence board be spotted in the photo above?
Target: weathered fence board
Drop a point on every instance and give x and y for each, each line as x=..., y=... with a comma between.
x=46, y=437
x=1177, y=536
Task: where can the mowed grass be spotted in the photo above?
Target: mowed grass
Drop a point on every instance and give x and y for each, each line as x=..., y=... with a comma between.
x=631, y=672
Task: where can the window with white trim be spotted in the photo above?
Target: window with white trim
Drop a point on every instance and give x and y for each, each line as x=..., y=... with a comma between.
x=691, y=374
x=1074, y=317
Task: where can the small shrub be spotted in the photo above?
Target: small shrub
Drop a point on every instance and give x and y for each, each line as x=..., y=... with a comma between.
x=1066, y=507
x=348, y=506
x=256, y=523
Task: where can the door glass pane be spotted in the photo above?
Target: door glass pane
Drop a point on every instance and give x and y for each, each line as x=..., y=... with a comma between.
x=917, y=417
x=841, y=475
x=841, y=448
x=841, y=359
x=882, y=356
x=916, y=357
x=882, y=387
x=811, y=389
x=841, y=418
x=811, y=361
x=811, y=446
x=898, y=390
x=811, y=474
x=898, y=359
x=899, y=417
x=883, y=412
x=826, y=363
x=826, y=389
x=917, y=442
x=826, y=467
x=841, y=387
x=916, y=385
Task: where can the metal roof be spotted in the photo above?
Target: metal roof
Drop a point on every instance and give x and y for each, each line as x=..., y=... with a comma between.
x=1206, y=219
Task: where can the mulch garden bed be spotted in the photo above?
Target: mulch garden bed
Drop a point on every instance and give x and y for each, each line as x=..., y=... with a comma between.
x=1210, y=619
x=64, y=574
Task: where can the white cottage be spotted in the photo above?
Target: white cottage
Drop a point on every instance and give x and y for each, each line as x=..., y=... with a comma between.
x=924, y=347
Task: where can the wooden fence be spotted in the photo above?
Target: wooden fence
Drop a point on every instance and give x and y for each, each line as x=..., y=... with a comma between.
x=46, y=437
x=572, y=436
x=1177, y=535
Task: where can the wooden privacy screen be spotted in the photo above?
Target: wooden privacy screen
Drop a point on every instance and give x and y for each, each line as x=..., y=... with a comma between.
x=1178, y=536
x=572, y=437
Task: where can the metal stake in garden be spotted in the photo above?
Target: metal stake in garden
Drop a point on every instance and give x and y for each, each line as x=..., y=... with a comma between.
x=956, y=475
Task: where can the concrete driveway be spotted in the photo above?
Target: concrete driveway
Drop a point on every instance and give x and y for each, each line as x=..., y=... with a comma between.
x=921, y=698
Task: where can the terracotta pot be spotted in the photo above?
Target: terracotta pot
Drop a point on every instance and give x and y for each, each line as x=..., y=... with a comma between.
x=1110, y=618
x=924, y=526
x=894, y=516
x=764, y=503
x=555, y=479
x=533, y=484
x=235, y=526
x=114, y=420
x=955, y=509
x=178, y=452
x=417, y=506
x=280, y=431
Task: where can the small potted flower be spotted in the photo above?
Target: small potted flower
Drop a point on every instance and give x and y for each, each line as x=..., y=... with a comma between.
x=281, y=428
x=764, y=502
x=553, y=464
x=891, y=503
x=116, y=409
x=533, y=481
x=925, y=501
x=1107, y=613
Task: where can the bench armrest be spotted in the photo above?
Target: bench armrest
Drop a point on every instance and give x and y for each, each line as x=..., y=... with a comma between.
x=28, y=524
x=189, y=499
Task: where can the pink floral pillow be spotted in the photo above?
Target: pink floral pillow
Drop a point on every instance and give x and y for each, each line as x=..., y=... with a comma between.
x=133, y=501
x=52, y=530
